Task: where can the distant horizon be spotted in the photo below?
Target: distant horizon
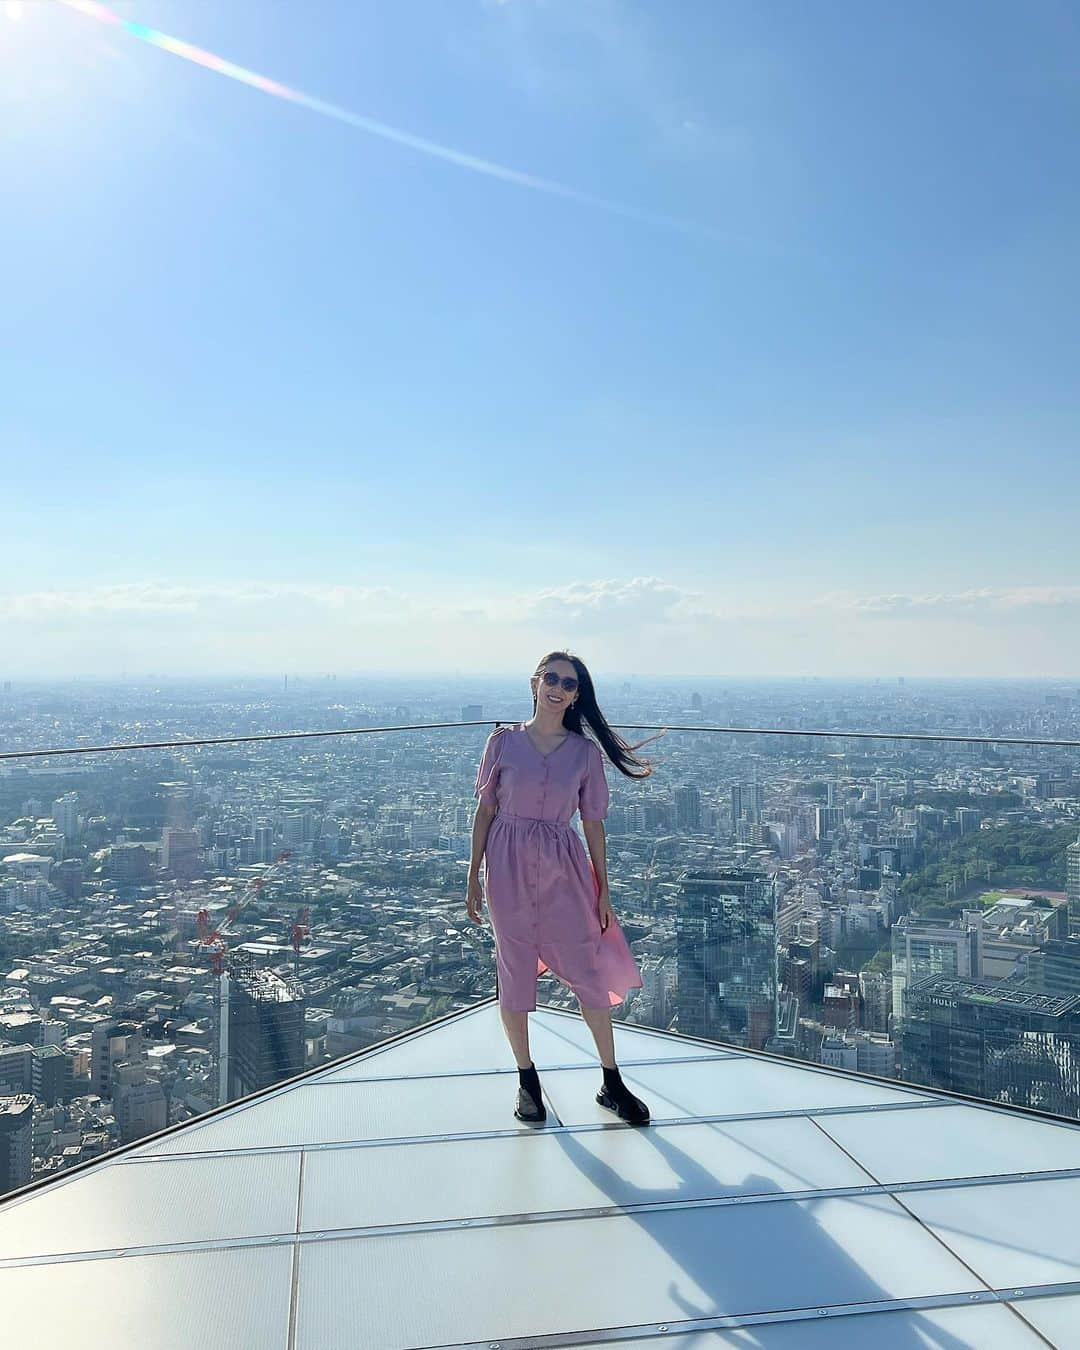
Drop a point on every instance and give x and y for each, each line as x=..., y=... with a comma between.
x=495, y=676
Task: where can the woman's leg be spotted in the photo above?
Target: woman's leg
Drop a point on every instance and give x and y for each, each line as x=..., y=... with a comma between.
x=516, y=1025
x=599, y=1022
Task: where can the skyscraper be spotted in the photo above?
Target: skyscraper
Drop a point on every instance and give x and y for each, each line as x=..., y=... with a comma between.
x=687, y=808
x=260, y=1029
x=727, y=959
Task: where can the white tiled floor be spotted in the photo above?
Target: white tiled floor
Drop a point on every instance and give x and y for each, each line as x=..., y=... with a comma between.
x=444, y=1240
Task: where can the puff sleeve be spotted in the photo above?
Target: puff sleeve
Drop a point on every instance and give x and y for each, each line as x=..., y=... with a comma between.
x=487, y=776
x=593, y=794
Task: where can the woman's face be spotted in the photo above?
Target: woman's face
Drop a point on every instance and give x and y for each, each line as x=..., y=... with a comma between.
x=555, y=697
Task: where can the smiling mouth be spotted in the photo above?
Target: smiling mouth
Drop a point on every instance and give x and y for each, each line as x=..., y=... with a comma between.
x=552, y=699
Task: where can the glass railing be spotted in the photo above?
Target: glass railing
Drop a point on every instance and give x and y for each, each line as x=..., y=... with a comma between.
x=182, y=926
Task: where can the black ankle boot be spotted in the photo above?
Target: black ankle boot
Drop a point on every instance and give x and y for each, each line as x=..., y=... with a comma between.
x=617, y=1097
x=530, y=1101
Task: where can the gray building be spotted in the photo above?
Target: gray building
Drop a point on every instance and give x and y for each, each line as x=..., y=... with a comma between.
x=16, y=1141
x=260, y=1030
x=1004, y=1042
x=921, y=948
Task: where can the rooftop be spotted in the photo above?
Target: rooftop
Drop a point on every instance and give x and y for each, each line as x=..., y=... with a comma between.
x=1004, y=995
x=391, y=1200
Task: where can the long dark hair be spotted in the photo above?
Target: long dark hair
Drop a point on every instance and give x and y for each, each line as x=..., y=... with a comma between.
x=586, y=709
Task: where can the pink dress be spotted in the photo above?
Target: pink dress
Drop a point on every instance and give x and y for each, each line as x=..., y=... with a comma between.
x=539, y=882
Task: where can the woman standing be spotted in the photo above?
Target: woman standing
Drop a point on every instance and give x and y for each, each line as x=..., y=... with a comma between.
x=549, y=904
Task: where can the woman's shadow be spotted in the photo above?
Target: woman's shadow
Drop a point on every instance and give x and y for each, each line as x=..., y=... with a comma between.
x=762, y=1255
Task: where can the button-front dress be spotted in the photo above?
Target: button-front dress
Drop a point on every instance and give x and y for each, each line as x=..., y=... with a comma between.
x=539, y=881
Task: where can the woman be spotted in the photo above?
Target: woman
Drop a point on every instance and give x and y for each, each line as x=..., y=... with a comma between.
x=549, y=905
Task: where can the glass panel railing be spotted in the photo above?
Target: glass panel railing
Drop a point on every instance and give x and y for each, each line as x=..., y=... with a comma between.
x=894, y=907
x=180, y=927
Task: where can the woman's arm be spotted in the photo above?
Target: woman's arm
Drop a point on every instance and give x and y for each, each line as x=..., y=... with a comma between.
x=594, y=837
x=481, y=823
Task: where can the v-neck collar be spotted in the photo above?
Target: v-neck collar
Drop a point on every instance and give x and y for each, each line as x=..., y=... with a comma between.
x=525, y=729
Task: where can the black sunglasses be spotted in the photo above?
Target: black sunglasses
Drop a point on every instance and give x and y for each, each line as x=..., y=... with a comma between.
x=568, y=682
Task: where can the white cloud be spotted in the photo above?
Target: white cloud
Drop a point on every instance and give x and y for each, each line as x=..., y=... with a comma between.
x=641, y=623
x=1010, y=599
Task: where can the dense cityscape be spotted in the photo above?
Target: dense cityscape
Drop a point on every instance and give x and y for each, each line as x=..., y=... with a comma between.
x=180, y=926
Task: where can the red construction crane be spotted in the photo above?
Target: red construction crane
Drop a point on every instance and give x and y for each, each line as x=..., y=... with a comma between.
x=214, y=939
x=301, y=930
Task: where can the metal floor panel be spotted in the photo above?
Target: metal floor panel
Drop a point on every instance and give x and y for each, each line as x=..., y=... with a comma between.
x=730, y=1086
x=559, y=1171
x=1024, y=1233
x=234, y=1299
x=579, y=1275
x=956, y=1141
x=191, y=1200
x=1057, y=1318
x=992, y=1328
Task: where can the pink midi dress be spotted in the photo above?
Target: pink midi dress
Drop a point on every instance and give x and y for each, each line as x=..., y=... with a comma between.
x=539, y=881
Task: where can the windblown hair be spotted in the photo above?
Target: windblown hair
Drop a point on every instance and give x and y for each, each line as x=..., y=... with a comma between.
x=585, y=709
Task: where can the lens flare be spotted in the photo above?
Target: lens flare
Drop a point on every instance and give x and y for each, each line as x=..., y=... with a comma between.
x=93, y=10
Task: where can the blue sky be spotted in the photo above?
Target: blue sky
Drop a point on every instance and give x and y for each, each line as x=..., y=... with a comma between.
x=282, y=394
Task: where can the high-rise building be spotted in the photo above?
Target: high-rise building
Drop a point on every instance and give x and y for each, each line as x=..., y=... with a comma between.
x=16, y=1069
x=472, y=712
x=1072, y=875
x=747, y=801
x=999, y=1041
x=138, y=1103
x=827, y=820
x=260, y=1029
x=110, y=1043
x=264, y=843
x=65, y=811
x=922, y=948
x=297, y=828
x=1054, y=968
x=687, y=808
x=181, y=853
x=16, y=1141
x=129, y=864
x=876, y=991
x=727, y=956
x=52, y=1074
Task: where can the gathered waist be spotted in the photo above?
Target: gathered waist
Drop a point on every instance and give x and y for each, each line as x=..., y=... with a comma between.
x=533, y=820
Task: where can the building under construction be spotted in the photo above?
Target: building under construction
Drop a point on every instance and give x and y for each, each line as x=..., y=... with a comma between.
x=260, y=1019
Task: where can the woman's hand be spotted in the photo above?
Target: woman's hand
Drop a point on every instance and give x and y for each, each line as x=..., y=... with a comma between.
x=603, y=909
x=475, y=899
